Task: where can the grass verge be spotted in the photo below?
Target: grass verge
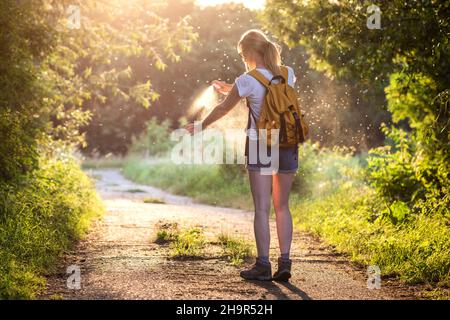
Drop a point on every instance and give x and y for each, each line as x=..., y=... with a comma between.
x=39, y=219
x=220, y=185
x=108, y=161
x=417, y=251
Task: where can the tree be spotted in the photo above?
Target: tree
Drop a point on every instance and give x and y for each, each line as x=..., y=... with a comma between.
x=407, y=59
x=214, y=56
x=50, y=74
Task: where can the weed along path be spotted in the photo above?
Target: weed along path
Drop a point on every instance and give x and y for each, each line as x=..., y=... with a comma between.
x=154, y=245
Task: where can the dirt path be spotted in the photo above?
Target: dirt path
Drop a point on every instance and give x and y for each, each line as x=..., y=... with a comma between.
x=120, y=260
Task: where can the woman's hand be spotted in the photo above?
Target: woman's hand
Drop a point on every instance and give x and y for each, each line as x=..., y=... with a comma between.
x=222, y=87
x=190, y=127
x=218, y=112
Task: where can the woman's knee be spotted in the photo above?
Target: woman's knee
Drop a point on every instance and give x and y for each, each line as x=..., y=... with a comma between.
x=262, y=212
x=282, y=209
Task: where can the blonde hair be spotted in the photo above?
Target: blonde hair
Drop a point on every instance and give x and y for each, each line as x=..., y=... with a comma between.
x=256, y=41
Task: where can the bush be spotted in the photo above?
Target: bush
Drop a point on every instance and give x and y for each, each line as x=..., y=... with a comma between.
x=402, y=173
x=155, y=140
x=351, y=221
x=39, y=220
x=323, y=171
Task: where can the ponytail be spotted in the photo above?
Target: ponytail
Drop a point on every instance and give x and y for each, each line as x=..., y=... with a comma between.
x=272, y=58
x=256, y=41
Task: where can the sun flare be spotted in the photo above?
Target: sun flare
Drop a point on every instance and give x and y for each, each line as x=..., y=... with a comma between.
x=251, y=4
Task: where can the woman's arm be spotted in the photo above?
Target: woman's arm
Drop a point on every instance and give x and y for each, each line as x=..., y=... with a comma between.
x=220, y=110
x=222, y=87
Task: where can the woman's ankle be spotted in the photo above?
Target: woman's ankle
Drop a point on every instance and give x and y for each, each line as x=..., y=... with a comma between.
x=284, y=256
x=263, y=259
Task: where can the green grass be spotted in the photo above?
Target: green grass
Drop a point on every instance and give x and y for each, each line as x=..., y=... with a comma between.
x=135, y=191
x=167, y=232
x=436, y=295
x=237, y=250
x=191, y=243
x=39, y=220
x=187, y=243
x=105, y=162
x=154, y=200
x=211, y=184
x=417, y=251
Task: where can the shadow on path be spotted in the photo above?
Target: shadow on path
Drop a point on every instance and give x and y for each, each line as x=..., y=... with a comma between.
x=273, y=287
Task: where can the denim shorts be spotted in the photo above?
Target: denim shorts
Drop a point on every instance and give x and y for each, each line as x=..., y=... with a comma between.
x=287, y=160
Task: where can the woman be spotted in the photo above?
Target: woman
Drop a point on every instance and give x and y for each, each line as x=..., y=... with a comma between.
x=257, y=51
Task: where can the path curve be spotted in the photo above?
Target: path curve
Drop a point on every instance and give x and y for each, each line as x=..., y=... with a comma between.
x=120, y=260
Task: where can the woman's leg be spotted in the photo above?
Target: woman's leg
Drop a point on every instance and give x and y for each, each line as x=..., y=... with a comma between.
x=282, y=183
x=261, y=187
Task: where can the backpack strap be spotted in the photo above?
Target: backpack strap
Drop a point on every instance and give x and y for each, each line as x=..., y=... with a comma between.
x=250, y=115
x=258, y=76
x=263, y=80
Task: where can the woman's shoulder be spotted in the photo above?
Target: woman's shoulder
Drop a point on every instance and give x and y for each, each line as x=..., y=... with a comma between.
x=245, y=84
x=245, y=79
x=291, y=75
x=290, y=69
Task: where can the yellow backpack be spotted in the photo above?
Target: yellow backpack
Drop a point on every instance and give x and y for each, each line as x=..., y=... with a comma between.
x=280, y=110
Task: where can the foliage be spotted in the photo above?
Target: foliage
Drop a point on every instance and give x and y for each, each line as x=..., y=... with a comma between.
x=183, y=243
x=155, y=140
x=153, y=200
x=191, y=242
x=236, y=249
x=167, y=232
x=188, y=243
x=114, y=124
x=51, y=74
x=408, y=59
x=204, y=183
x=51, y=77
x=214, y=56
x=108, y=161
x=23, y=113
x=40, y=219
x=414, y=35
x=413, y=167
x=323, y=171
x=352, y=220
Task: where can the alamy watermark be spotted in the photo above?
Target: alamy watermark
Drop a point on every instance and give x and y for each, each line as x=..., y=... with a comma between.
x=73, y=17
x=211, y=145
x=374, y=18
x=373, y=277
x=74, y=279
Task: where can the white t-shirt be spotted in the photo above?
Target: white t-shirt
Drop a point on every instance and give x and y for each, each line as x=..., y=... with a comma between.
x=250, y=88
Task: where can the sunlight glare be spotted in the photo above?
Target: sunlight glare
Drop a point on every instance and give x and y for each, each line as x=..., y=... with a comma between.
x=251, y=4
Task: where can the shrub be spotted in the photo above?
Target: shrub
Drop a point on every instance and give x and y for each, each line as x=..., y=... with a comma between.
x=39, y=219
x=188, y=243
x=155, y=140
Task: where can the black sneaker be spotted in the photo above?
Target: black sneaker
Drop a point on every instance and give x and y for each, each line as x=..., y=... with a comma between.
x=259, y=271
x=284, y=270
